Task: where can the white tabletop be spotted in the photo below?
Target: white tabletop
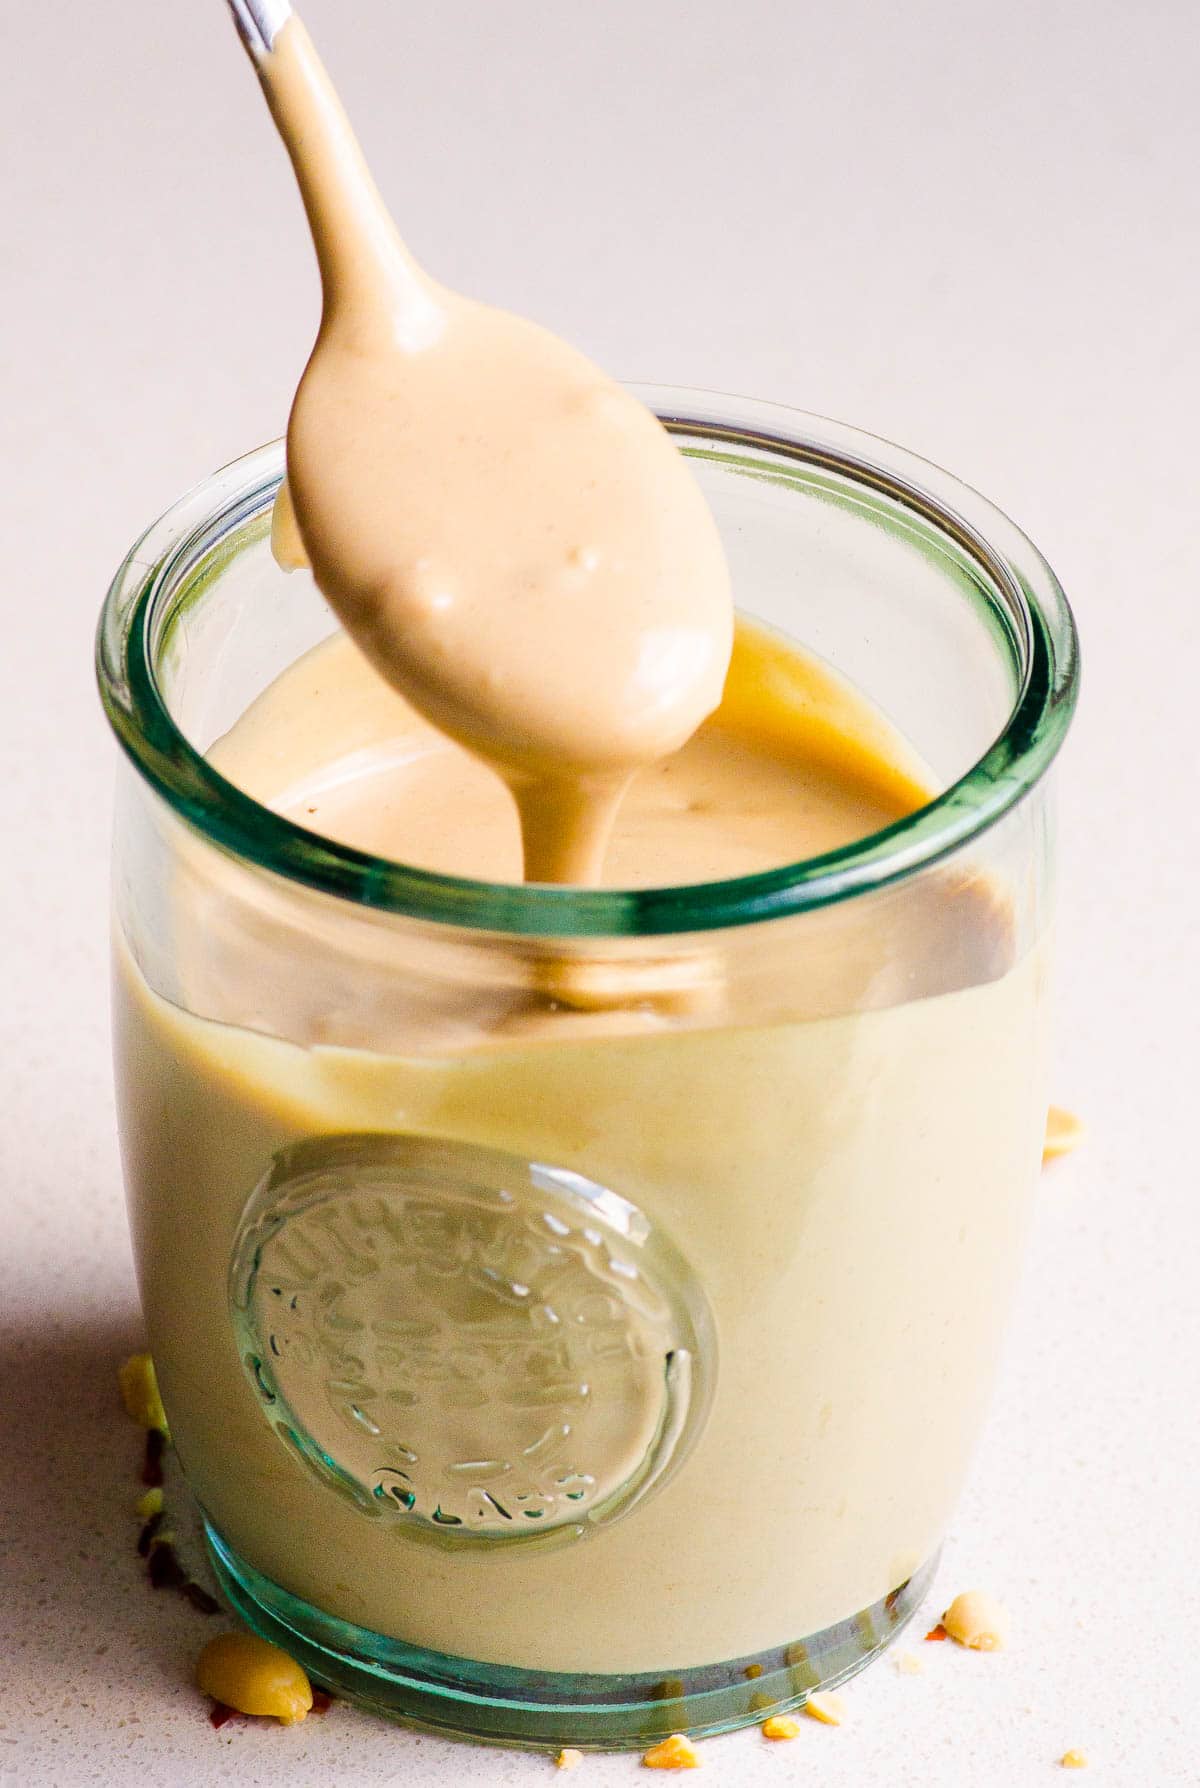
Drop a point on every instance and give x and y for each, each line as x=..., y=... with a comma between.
x=970, y=228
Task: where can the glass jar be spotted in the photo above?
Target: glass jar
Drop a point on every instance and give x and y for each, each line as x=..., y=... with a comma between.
x=621, y=1380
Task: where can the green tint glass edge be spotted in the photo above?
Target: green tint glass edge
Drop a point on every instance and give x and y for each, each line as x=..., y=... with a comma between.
x=501, y=1704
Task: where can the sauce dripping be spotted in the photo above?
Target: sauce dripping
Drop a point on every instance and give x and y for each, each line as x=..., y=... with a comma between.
x=510, y=537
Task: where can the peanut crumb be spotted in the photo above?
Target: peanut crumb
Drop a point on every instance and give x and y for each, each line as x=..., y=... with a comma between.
x=1064, y=1132
x=761, y=1702
x=568, y=1759
x=752, y=1671
x=1073, y=1760
x=676, y=1752
x=978, y=1621
x=149, y=1504
x=244, y=1672
x=781, y=1726
x=908, y=1663
x=139, y=1392
x=829, y=1709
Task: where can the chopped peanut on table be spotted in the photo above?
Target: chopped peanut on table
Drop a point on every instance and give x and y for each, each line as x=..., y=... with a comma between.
x=568, y=1759
x=139, y=1392
x=781, y=1726
x=1064, y=1132
x=244, y=1672
x=977, y=1621
x=829, y=1709
x=1073, y=1760
x=676, y=1752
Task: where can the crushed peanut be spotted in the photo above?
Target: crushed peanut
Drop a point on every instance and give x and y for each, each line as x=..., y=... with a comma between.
x=908, y=1663
x=781, y=1726
x=244, y=1672
x=829, y=1709
x=752, y=1671
x=761, y=1702
x=139, y=1392
x=1064, y=1132
x=977, y=1621
x=1073, y=1760
x=568, y=1759
x=149, y=1504
x=676, y=1752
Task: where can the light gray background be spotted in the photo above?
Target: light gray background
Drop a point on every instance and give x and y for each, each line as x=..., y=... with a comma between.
x=971, y=228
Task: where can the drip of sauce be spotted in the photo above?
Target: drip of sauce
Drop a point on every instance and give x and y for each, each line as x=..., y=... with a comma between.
x=794, y=763
x=509, y=537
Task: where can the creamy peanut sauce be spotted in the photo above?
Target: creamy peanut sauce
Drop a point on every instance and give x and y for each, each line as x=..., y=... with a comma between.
x=509, y=536
x=842, y=1143
x=834, y=1119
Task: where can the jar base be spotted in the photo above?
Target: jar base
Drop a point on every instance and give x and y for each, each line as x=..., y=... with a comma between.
x=499, y=1704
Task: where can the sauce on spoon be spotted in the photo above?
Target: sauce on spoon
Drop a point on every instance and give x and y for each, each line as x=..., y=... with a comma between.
x=510, y=537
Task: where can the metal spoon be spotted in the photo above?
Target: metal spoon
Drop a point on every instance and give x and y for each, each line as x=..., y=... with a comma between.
x=259, y=23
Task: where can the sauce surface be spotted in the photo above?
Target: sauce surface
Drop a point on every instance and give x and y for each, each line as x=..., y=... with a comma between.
x=793, y=763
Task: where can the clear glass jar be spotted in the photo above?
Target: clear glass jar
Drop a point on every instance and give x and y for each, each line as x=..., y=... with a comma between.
x=618, y=1382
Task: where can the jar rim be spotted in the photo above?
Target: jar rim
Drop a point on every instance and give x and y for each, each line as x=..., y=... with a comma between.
x=1043, y=633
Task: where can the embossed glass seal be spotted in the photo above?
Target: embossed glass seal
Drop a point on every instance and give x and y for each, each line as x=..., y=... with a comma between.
x=480, y=1348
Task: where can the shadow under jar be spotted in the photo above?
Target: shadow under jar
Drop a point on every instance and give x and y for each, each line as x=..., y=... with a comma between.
x=618, y=1381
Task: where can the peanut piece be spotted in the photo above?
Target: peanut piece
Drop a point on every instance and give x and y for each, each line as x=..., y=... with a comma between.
x=676, y=1752
x=1064, y=1132
x=977, y=1621
x=246, y=1673
x=139, y=1392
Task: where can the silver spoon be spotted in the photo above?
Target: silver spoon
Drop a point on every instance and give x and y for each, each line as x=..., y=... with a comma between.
x=259, y=23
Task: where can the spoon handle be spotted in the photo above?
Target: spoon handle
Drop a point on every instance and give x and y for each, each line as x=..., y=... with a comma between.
x=259, y=23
